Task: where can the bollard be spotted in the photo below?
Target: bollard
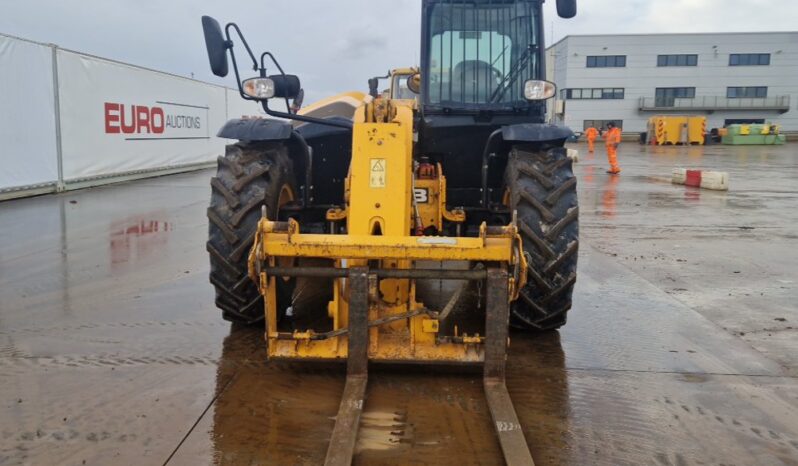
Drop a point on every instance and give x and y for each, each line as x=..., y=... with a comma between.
x=718, y=181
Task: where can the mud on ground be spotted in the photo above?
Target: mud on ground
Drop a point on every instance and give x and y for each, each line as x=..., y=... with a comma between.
x=681, y=347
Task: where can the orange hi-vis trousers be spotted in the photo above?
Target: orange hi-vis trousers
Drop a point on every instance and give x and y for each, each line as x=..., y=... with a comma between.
x=591, y=134
x=613, y=138
x=612, y=157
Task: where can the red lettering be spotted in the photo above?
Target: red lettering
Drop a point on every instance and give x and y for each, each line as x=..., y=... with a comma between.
x=157, y=124
x=148, y=227
x=131, y=128
x=142, y=119
x=111, y=118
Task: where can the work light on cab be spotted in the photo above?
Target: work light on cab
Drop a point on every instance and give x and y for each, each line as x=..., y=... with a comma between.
x=259, y=88
x=539, y=90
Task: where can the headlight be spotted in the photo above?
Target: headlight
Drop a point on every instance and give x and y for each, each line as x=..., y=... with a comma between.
x=259, y=88
x=539, y=90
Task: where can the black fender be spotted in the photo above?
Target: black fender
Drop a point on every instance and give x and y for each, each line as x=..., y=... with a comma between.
x=261, y=129
x=536, y=132
x=545, y=135
x=258, y=129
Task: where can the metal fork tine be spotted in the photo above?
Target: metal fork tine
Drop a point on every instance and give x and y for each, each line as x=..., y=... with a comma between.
x=347, y=421
x=505, y=419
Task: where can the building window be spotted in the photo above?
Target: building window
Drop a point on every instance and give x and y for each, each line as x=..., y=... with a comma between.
x=749, y=59
x=677, y=60
x=666, y=96
x=757, y=92
x=606, y=61
x=592, y=94
x=602, y=124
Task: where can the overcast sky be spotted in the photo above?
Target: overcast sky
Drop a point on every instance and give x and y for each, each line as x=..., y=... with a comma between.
x=335, y=45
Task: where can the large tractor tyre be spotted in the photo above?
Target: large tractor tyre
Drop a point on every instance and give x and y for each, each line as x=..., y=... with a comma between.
x=249, y=176
x=541, y=187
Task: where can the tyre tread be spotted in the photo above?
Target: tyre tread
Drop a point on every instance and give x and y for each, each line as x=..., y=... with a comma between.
x=247, y=177
x=543, y=192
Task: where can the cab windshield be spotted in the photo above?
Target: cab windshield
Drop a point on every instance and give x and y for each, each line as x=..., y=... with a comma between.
x=480, y=52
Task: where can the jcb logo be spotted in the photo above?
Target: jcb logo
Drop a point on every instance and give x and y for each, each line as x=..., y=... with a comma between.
x=421, y=195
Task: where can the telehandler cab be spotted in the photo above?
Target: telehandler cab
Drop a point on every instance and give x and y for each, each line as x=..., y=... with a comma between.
x=361, y=201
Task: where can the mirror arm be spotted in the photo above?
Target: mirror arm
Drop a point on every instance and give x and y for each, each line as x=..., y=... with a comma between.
x=229, y=45
x=280, y=68
x=243, y=41
x=265, y=103
x=296, y=117
x=274, y=60
x=238, y=78
x=374, y=91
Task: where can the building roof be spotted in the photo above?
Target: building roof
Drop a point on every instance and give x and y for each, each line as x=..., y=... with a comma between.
x=654, y=34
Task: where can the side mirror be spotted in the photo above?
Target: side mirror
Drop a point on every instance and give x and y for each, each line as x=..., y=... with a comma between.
x=414, y=83
x=566, y=8
x=286, y=86
x=374, y=84
x=216, y=44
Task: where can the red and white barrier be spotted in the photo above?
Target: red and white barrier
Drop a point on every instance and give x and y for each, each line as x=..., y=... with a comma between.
x=718, y=181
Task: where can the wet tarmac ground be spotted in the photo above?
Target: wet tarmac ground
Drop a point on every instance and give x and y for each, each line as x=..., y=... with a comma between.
x=681, y=347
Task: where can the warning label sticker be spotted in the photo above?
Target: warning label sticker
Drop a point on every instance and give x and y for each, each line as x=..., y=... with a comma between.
x=377, y=177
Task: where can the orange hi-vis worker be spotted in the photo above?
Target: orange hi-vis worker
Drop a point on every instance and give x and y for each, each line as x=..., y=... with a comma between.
x=591, y=134
x=612, y=139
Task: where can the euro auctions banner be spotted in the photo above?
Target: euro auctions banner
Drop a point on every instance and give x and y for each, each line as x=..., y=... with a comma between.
x=140, y=122
x=117, y=118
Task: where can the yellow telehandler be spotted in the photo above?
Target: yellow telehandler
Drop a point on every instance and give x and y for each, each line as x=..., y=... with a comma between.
x=451, y=178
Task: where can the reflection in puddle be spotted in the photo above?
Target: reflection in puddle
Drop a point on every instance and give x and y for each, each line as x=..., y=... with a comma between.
x=136, y=238
x=609, y=196
x=692, y=194
x=589, y=171
x=283, y=413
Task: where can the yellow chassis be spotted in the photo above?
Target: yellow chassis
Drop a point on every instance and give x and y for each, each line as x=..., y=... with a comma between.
x=380, y=214
x=411, y=341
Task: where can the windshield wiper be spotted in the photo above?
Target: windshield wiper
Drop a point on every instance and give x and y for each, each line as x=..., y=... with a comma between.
x=500, y=56
x=512, y=76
